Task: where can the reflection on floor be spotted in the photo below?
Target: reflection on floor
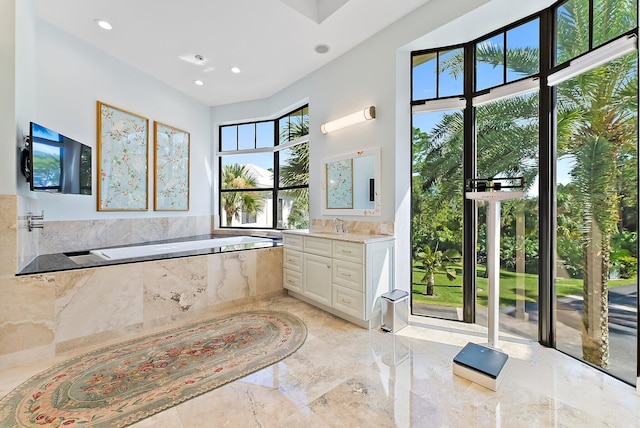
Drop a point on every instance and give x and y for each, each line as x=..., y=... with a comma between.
x=345, y=376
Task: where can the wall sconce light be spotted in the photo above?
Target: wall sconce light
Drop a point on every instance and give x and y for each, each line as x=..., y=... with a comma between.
x=361, y=116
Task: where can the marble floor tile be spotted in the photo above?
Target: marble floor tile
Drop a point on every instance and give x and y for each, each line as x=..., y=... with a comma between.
x=346, y=376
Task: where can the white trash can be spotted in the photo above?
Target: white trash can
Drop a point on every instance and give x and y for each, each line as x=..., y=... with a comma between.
x=395, y=310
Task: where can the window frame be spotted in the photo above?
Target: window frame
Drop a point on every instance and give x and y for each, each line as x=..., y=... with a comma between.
x=274, y=149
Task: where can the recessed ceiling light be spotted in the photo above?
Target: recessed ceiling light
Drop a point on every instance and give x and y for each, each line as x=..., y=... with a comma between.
x=199, y=58
x=321, y=49
x=235, y=69
x=198, y=82
x=103, y=24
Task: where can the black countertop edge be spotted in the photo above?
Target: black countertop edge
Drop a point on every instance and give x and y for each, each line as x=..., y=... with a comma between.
x=58, y=262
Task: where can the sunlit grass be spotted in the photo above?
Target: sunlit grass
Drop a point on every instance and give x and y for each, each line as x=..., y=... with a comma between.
x=449, y=293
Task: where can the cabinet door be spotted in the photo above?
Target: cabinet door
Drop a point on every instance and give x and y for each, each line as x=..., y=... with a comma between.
x=317, y=278
x=292, y=260
x=292, y=280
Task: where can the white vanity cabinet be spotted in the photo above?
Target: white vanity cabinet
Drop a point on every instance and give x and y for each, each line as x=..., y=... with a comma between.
x=344, y=275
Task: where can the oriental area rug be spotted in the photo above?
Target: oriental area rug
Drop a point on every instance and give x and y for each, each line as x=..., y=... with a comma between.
x=121, y=384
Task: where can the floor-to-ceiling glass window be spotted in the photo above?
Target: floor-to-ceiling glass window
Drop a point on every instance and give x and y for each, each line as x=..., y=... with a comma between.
x=507, y=146
x=577, y=135
x=437, y=201
x=597, y=184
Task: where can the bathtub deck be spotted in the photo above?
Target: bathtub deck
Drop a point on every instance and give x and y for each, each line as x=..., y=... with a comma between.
x=82, y=259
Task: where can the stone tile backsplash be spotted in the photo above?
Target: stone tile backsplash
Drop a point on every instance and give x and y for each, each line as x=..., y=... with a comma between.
x=78, y=235
x=355, y=226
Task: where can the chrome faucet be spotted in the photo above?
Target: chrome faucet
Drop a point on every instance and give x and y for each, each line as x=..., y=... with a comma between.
x=35, y=221
x=338, y=225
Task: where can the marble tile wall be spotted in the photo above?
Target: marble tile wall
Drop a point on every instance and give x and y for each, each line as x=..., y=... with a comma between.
x=62, y=311
x=26, y=305
x=78, y=235
x=28, y=242
x=356, y=227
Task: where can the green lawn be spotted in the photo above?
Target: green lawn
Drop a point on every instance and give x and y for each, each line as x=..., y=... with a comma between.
x=449, y=293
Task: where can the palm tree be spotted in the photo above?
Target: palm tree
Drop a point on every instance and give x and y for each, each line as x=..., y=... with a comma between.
x=295, y=172
x=603, y=114
x=236, y=176
x=433, y=261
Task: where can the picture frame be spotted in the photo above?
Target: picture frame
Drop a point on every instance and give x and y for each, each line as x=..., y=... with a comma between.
x=339, y=176
x=171, y=168
x=123, y=159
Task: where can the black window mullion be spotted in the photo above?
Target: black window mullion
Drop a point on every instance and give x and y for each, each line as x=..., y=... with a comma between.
x=546, y=183
x=469, y=172
x=591, y=12
x=504, y=57
x=438, y=74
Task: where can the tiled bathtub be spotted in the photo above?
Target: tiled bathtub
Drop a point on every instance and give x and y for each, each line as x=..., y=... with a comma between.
x=87, y=305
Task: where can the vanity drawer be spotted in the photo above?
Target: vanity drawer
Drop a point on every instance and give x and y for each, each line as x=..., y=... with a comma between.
x=318, y=246
x=347, y=274
x=348, y=251
x=292, y=280
x=292, y=241
x=348, y=301
x=292, y=260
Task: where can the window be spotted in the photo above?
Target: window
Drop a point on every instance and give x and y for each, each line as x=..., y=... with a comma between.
x=496, y=65
x=582, y=25
x=445, y=82
x=259, y=166
x=568, y=248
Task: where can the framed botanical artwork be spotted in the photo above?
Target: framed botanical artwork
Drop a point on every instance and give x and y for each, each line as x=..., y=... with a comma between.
x=171, y=168
x=340, y=184
x=123, y=160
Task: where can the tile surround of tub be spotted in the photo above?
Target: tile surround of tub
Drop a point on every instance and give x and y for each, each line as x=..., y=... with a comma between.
x=174, y=287
x=91, y=301
x=8, y=234
x=62, y=311
x=79, y=235
x=26, y=313
x=355, y=226
x=232, y=276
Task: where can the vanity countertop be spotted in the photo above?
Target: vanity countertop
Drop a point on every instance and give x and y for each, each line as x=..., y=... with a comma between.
x=351, y=237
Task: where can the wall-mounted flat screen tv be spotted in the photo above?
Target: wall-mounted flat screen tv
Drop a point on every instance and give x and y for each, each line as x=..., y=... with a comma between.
x=58, y=164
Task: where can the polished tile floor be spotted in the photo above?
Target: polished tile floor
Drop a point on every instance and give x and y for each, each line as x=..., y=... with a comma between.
x=345, y=376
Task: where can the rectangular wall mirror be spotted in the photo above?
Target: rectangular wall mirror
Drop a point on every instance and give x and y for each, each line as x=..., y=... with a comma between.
x=351, y=183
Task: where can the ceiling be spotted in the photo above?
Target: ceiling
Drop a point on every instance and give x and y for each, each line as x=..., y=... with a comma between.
x=272, y=41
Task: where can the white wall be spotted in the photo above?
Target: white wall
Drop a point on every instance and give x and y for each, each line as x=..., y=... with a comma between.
x=25, y=80
x=71, y=76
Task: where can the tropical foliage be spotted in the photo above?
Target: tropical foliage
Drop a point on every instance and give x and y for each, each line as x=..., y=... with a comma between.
x=433, y=261
x=294, y=173
x=236, y=176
